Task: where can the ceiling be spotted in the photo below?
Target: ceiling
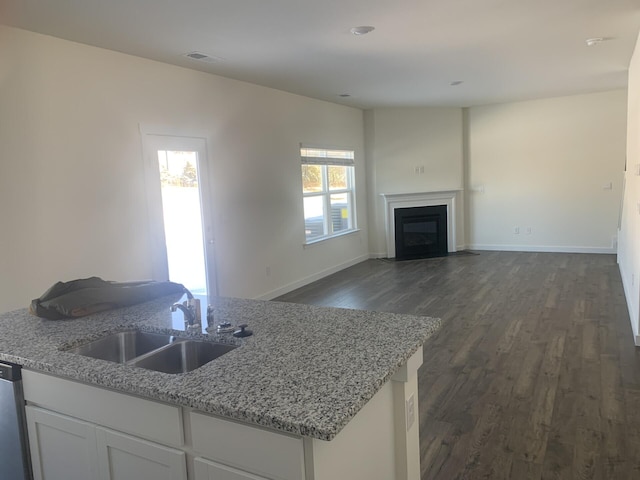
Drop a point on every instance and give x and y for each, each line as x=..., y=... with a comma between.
x=502, y=50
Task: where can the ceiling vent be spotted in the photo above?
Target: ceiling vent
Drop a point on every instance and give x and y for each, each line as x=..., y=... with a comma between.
x=202, y=57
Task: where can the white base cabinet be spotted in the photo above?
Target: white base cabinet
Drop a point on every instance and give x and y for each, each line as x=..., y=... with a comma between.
x=65, y=448
x=82, y=432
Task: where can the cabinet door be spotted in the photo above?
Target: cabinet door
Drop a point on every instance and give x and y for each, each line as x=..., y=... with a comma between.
x=208, y=470
x=122, y=457
x=62, y=448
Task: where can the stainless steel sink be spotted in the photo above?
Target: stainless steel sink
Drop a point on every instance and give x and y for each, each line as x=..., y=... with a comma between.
x=153, y=351
x=182, y=356
x=123, y=346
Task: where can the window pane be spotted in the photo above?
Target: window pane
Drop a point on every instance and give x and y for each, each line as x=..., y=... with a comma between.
x=339, y=212
x=182, y=217
x=313, y=217
x=311, y=178
x=337, y=177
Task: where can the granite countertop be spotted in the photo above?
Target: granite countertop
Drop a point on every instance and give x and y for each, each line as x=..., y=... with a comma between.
x=307, y=370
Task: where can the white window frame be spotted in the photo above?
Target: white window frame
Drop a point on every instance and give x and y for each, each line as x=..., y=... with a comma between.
x=325, y=157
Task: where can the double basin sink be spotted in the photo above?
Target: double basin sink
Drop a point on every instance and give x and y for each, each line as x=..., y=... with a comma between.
x=153, y=351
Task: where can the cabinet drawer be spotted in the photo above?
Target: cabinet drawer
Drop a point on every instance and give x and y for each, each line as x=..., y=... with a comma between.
x=143, y=418
x=262, y=452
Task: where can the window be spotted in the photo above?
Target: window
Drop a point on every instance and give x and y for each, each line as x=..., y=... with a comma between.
x=328, y=190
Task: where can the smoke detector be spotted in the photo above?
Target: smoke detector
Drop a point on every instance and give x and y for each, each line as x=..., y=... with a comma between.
x=202, y=57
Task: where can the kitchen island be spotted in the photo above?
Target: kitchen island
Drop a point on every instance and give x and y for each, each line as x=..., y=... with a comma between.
x=315, y=393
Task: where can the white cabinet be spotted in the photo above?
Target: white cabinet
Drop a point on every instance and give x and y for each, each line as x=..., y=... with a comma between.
x=123, y=457
x=83, y=432
x=62, y=448
x=208, y=470
x=65, y=448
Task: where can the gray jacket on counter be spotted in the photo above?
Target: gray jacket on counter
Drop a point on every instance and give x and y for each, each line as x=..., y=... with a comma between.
x=78, y=298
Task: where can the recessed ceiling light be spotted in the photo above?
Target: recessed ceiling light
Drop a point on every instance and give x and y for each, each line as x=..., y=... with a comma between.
x=344, y=95
x=363, y=30
x=455, y=83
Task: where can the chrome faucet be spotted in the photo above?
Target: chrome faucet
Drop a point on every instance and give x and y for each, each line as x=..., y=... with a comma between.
x=190, y=310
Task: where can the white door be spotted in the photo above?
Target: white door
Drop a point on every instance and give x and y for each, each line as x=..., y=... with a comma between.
x=179, y=210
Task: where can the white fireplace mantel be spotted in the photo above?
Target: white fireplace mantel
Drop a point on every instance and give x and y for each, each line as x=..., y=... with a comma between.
x=419, y=199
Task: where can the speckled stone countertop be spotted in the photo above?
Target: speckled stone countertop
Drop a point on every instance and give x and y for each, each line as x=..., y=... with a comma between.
x=306, y=370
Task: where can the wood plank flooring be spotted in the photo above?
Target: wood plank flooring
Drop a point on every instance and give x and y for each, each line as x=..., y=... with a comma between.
x=534, y=374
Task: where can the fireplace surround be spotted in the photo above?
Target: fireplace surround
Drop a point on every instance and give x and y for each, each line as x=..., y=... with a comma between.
x=419, y=199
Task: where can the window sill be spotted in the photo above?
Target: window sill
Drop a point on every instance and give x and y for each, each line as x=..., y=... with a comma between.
x=311, y=243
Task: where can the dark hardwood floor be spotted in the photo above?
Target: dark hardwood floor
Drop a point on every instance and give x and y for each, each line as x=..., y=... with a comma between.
x=534, y=373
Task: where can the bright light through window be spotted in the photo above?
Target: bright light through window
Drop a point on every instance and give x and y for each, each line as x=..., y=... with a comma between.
x=328, y=190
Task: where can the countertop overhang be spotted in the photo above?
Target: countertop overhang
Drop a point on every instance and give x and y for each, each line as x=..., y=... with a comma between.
x=307, y=370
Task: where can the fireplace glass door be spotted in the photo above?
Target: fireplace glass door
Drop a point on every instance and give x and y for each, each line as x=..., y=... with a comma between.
x=421, y=232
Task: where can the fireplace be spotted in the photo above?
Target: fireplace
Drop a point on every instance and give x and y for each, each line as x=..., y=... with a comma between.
x=420, y=232
x=395, y=201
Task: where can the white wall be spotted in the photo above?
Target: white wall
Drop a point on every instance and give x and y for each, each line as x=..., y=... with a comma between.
x=540, y=164
x=544, y=165
x=72, y=191
x=398, y=141
x=629, y=238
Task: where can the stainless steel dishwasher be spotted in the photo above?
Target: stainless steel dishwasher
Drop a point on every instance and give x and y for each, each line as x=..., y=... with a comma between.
x=15, y=461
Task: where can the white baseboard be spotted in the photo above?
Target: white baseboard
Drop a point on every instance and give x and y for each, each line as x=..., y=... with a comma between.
x=311, y=278
x=540, y=248
x=384, y=254
x=628, y=295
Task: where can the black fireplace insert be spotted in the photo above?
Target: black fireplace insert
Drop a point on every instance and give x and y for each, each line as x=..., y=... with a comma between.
x=421, y=232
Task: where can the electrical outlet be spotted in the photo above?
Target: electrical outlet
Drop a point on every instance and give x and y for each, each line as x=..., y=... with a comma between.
x=417, y=170
x=528, y=231
x=421, y=169
x=411, y=411
x=516, y=230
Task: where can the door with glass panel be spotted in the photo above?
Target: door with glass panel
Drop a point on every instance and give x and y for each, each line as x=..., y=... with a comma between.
x=178, y=195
